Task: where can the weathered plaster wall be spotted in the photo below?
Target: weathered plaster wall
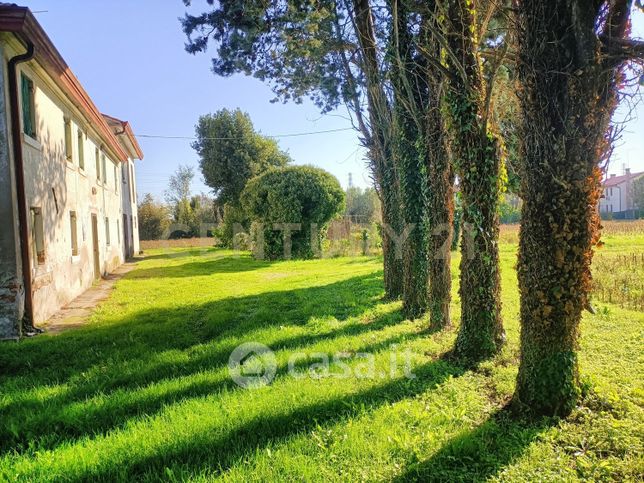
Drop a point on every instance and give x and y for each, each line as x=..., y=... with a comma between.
x=58, y=186
x=130, y=205
x=11, y=290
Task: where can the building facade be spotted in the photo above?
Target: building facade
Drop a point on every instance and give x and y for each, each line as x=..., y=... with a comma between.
x=67, y=180
x=618, y=199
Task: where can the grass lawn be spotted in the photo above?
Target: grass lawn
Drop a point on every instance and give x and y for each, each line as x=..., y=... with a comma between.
x=143, y=392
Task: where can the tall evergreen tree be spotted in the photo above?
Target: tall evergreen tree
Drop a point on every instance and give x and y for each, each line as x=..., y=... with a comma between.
x=231, y=152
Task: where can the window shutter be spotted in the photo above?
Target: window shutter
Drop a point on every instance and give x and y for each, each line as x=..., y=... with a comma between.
x=27, y=106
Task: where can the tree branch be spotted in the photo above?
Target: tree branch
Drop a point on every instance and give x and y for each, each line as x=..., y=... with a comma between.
x=623, y=49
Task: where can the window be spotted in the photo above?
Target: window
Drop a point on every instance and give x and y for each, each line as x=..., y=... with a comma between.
x=107, y=231
x=81, y=149
x=116, y=179
x=104, y=169
x=135, y=222
x=37, y=235
x=133, y=200
x=68, y=141
x=74, y=231
x=98, y=164
x=28, y=106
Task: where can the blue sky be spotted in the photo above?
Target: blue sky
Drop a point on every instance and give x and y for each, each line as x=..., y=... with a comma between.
x=130, y=58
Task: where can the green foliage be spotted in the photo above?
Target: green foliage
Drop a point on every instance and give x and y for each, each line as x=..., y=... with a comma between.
x=177, y=196
x=477, y=154
x=191, y=216
x=363, y=206
x=205, y=214
x=235, y=221
x=309, y=36
x=509, y=210
x=231, y=152
x=184, y=220
x=179, y=185
x=411, y=164
x=154, y=219
x=314, y=50
x=302, y=195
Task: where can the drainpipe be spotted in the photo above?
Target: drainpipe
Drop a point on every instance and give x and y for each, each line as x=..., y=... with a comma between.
x=20, y=180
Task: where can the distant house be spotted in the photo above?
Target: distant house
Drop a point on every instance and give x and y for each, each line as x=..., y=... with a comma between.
x=67, y=179
x=617, y=200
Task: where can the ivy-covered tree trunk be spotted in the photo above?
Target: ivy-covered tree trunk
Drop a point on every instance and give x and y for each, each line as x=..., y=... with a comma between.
x=440, y=187
x=568, y=95
x=477, y=159
x=409, y=94
x=389, y=193
x=441, y=219
x=412, y=169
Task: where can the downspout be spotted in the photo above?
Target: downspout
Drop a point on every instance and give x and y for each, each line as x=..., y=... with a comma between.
x=28, y=318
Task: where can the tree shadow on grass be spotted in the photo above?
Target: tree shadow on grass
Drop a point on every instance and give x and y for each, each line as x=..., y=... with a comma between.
x=159, y=345
x=479, y=454
x=209, y=449
x=173, y=253
x=201, y=267
x=141, y=334
x=71, y=416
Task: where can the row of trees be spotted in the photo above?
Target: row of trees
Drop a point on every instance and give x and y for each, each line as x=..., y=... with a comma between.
x=420, y=82
x=231, y=154
x=182, y=215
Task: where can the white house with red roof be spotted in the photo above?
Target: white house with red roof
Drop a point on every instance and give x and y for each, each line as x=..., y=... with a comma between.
x=617, y=199
x=67, y=187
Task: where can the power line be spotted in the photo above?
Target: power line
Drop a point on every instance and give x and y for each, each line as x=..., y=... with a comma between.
x=290, y=135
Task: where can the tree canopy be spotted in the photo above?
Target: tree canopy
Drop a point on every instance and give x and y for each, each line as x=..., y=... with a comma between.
x=296, y=195
x=154, y=219
x=231, y=152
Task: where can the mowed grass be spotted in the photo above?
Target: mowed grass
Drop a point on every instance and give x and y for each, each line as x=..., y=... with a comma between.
x=143, y=392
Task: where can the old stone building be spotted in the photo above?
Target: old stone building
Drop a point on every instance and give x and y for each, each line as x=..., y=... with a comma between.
x=67, y=180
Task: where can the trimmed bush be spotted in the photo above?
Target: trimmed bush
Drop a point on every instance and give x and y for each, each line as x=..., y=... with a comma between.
x=300, y=199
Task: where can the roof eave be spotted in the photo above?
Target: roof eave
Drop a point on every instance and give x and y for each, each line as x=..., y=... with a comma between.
x=21, y=22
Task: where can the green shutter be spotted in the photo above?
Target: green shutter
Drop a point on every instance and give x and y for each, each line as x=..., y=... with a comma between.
x=27, y=107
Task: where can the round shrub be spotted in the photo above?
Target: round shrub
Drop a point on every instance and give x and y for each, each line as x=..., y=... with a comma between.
x=282, y=198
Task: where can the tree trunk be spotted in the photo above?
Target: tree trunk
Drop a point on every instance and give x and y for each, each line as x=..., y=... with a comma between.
x=392, y=224
x=441, y=219
x=440, y=181
x=477, y=161
x=410, y=93
x=412, y=169
x=568, y=96
x=380, y=146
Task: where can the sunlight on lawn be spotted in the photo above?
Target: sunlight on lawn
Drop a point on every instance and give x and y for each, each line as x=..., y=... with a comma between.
x=144, y=391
